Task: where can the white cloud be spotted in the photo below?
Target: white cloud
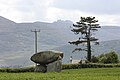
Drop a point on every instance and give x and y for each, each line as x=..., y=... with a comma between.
x=74, y=15
x=56, y=13
x=109, y=19
x=52, y=10
x=24, y=10
x=91, y=6
x=7, y=8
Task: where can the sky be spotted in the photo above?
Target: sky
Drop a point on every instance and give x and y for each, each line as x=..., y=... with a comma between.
x=106, y=11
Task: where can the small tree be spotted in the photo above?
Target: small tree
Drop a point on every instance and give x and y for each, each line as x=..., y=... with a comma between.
x=85, y=27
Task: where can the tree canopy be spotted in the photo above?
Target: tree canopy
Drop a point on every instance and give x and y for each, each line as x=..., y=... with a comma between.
x=85, y=27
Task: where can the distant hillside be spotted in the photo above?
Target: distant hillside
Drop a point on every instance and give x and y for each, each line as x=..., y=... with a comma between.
x=17, y=40
x=105, y=46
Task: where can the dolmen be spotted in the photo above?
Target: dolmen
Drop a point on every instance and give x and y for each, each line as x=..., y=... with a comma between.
x=48, y=61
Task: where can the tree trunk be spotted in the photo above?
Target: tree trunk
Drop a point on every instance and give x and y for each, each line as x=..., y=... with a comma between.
x=89, y=51
x=88, y=46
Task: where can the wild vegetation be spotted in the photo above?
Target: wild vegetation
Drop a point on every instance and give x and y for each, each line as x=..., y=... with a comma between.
x=106, y=58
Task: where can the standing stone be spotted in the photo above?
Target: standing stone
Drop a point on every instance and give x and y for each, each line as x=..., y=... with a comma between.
x=41, y=68
x=55, y=66
x=48, y=61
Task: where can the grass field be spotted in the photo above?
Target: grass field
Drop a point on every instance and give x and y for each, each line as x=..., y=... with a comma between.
x=72, y=74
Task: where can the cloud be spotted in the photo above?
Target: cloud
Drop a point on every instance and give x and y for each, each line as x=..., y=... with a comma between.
x=24, y=10
x=107, y=12
x=7, y=8
x=53, y=14
x=91, y=6
x=113, y=20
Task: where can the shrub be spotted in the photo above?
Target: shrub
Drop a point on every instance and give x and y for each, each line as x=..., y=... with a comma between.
x=17, y=70
x=94, y=59
x=88, y=65
x=111, y=57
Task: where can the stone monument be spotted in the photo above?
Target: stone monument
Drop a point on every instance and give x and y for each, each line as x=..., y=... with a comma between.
x=48, y=61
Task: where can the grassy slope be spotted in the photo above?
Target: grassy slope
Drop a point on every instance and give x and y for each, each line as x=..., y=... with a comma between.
x=73, y=74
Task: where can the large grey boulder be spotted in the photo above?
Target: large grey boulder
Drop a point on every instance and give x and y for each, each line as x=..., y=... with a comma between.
x=54, y=66
x=51, y=67
x=48, y=61
x=46, y=57
x=41, y=68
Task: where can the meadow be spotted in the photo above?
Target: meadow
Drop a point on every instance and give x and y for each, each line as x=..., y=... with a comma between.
x=70, y=74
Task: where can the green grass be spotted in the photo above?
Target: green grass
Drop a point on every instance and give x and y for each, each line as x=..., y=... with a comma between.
x=71, y=74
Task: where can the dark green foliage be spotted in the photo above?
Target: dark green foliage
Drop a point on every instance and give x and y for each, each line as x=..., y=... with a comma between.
x=111, y=57
x=17, y=70
x=89, y=65
x=85, y=27
x=94, y=59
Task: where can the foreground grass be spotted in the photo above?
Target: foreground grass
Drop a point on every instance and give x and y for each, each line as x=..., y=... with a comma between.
x=73, y=74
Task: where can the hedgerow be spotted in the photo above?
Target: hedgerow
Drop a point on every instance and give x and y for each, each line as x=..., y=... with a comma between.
x=64, y=66
x=16, y=70
x=89, y=65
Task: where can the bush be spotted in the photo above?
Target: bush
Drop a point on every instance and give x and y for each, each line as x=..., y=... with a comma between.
x=111, y=57
x=94, y=59
x=89, y=65
x=17, y=70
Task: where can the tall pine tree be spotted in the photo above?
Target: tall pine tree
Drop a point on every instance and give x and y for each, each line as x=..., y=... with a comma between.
x=85, y=27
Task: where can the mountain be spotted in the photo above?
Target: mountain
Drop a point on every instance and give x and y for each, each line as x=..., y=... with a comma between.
x=108, y=33
x=103, y=47
x=17, y=40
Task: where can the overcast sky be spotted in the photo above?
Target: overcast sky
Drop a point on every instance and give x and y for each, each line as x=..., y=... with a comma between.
x=106, y=11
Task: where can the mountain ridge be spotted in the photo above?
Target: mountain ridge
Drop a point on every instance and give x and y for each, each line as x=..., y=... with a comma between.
x=103, y=47
x=17, y=40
